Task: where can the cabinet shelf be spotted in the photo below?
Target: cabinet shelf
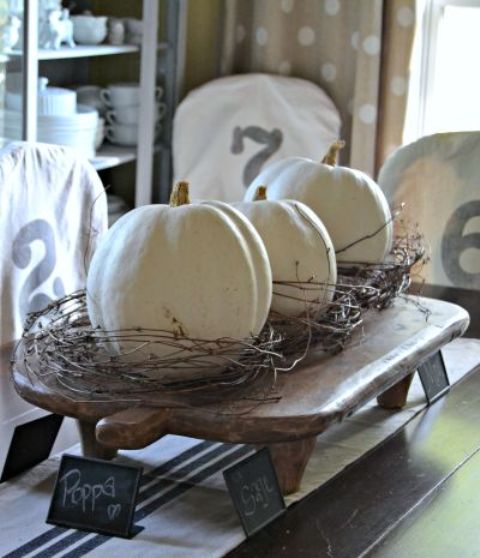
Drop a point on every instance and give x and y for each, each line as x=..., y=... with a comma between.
x=85, y=51
x=81, y=51
x=109, y=156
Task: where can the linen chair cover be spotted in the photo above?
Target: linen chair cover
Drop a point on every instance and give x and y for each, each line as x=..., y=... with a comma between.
x=52, y=215
x=228, y=129
x=438, y=179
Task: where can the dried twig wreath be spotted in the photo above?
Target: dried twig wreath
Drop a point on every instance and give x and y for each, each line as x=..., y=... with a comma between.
x=325, y=326
x=377, y=285
x=61, y=349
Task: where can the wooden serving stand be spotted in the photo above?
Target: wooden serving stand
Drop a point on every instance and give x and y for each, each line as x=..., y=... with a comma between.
x=379, y=362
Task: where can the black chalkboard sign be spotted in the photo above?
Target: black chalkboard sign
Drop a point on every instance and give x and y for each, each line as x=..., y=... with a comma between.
x=95, y=495
x=31, y=443
x=434, y=377
x=255, y=492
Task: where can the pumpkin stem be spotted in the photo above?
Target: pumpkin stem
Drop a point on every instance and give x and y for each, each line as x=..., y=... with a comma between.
x=260, y=194
x=179, y=195
x=332, y=154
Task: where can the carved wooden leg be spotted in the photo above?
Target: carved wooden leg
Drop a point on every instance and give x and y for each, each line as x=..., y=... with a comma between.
x=290, y=460
x=90, y=446
x=396, y=396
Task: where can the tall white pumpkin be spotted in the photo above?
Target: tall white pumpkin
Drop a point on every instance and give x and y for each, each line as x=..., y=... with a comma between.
x=194, y=270
x=300, y=251
x=349, y=203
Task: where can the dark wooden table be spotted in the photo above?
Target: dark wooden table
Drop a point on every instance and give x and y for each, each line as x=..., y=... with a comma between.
x=415, y=495
x=379, y=363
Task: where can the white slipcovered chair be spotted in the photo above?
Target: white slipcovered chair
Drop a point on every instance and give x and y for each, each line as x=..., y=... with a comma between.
x=226, y=130
x=52, y=215
x=438, y=179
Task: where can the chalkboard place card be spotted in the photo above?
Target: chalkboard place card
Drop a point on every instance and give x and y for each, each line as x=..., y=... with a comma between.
x=31, y=444
x=95, y=495
x=254, y=489
x=434, y=377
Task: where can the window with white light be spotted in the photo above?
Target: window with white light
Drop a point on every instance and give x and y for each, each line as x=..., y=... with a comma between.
x=445, y=77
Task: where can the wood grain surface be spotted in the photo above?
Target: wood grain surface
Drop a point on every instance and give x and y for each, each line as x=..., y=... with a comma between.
x=414, y=496
x=323, y=390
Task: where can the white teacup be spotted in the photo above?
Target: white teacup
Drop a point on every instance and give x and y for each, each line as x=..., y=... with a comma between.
x=90, y=95
x=125, y=94
x=122, y=134
x=89, y=29
x=134, y=28
x=129, y=115
x=125, y=134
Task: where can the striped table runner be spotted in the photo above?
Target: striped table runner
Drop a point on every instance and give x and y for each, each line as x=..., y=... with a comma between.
x=183, y=503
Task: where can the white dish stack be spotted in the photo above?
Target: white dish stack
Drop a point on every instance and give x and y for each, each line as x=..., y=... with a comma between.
x=60, y=120
x=123, y=101
x=89, y=95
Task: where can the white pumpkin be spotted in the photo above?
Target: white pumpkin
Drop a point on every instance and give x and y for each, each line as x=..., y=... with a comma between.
x=349, y=203
x=300, y=251
x=194, y=270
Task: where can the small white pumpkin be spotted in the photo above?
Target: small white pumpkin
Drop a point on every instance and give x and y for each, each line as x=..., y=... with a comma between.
x=349, y=203
x=300, y=251
x=195, y=270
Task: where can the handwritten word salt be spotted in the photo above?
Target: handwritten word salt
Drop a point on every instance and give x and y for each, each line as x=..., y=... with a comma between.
x=256, y=494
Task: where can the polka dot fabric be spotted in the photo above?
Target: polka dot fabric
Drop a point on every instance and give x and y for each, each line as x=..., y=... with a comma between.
x=306, y=36
x=336, y=44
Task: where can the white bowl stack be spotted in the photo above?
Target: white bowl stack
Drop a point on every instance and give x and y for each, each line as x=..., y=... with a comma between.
x=89, y=95
x=60, y=120
x=123, y=101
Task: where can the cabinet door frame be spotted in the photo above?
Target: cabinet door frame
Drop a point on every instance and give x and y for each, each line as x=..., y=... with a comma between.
x=146, y=124
x=30, y=65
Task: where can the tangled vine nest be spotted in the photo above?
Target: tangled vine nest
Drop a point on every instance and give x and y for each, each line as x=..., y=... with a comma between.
x=325, y=326
x=377, y=285
x=61, y=349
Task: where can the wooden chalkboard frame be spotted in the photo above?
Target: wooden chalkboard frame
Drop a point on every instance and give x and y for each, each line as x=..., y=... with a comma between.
x=437, y=363
x=262, y=456
x=130, y=530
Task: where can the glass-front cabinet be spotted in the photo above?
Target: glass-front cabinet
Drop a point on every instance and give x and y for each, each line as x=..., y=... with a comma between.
x=100, y=76
x=12, y=71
